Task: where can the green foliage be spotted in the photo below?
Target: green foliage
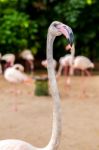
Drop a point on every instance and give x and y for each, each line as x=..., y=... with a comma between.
x=24, y=24
x=88, y=30
x=16, y=31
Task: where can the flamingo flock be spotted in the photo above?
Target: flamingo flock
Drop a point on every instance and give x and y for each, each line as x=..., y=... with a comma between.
x=14, y=72
x=81, y=63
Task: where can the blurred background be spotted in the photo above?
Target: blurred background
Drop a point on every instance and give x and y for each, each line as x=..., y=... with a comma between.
x=24, y=24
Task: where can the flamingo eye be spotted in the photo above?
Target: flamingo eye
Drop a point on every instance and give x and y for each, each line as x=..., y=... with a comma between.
x=64, y=27
x=55, y=24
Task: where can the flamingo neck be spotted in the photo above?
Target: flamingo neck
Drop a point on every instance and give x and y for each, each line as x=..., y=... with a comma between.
x=71, y=72
x=56, y=128
x=73, y=51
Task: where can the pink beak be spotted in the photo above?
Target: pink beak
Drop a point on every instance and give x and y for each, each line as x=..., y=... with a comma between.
x=67, y=32
x=63, y=31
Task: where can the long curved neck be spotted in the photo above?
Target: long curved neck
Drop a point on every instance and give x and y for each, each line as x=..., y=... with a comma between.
x=56, y=129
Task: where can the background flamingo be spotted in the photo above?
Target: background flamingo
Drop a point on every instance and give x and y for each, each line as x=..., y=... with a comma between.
x=67, y=61
x=15, y=74
x=64, y=64
x=7, y=60
x=83, y=63
x=28, y=60
x=55, y=29
x=19, y=67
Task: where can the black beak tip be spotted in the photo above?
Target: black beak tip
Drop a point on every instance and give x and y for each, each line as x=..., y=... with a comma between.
x=71, y=37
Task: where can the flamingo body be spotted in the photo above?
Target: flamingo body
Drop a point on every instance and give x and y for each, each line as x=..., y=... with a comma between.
x=19, y=67
x=66, y=60
x=82, y=63
x=15, y=145
x=64, y=63
x=15, y=76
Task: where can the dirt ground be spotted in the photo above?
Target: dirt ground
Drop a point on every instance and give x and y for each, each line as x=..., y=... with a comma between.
x=32, y=122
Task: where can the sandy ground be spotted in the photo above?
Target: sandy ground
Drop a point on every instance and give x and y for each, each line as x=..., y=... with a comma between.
x=32, y=122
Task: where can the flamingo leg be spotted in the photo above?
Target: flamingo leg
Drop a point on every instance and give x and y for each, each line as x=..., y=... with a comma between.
x=87, y=73
x=16, y=92
x=84, y=89
x=65, y=70
x=71, y=72
x=15, y=106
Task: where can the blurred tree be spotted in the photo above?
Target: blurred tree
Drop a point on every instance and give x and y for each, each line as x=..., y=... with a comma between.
x=88, y=30
x=16, y=29
x=24, y=24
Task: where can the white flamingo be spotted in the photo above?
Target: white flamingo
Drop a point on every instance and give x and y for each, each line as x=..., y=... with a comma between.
x=68, y=61
x=55, y=29
x=83, y=63
x=19, y=67
x=29, y=58
x=14, y=75
x=79, y=63
x=7, y=60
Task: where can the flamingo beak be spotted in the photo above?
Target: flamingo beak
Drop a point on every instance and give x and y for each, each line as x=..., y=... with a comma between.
x=67, y=32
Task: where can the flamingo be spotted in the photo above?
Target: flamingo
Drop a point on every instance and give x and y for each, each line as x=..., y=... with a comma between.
x=67, y=61
x=7, y=60
x=14, y=75
x=55, y=29
x=64, y=63
x=79, y=63
x=28, y=57
x=19, y=67
x=83, y=63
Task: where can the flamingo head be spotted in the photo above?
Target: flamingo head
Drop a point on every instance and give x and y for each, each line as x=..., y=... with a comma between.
x=44, y=63
x=57, y=28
